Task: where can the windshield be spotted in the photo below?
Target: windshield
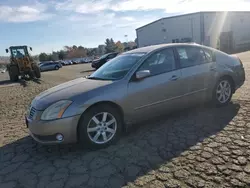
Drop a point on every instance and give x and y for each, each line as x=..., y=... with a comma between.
x=103, y=56
x=116, y=68
x=18, y=52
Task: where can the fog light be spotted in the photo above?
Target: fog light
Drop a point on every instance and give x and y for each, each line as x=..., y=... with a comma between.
x=59, y=137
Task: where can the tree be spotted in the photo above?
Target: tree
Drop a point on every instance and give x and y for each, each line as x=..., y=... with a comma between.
x=101, y=50
x=54, y=56
x=80, y=48
x=110, y=46
x=43, y=57
x=35, y=58
x=119, y=46
x=61, y=55
x=67, y=48
x=129, y=45
x=74, y=47
x=80, y=51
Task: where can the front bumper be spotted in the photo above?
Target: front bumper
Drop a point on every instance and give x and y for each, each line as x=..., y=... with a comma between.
x=45, y=132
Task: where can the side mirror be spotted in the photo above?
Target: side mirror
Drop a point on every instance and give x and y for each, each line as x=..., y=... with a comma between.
x=142, y=74
x=7, y=51
x=30, y=49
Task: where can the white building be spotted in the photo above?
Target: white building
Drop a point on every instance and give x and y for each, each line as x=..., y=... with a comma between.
x=229, y=31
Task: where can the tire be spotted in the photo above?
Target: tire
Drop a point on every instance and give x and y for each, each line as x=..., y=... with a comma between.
x=13, y=73
x=86, y=136
x=37, y=71
x=31, y=74
x=56, y=67
x=223, y=92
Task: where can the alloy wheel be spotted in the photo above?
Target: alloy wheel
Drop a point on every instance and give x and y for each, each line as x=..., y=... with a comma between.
x=223, y=91
x=102, y=128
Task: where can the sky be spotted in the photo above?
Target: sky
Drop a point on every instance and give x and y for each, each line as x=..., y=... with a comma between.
x=48, y=25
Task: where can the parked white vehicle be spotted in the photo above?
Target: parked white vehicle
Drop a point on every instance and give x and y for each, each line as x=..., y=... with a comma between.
x=3, y=70
x=68, y=62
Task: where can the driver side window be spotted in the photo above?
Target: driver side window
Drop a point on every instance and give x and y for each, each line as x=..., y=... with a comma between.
x=160, y=62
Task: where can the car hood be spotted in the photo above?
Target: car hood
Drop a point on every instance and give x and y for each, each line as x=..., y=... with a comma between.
x=66, y=90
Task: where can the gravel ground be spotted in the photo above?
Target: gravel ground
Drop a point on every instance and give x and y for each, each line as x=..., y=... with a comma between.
x=199, y=147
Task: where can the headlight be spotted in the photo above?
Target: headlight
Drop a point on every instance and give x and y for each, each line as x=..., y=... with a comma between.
x=56, y=110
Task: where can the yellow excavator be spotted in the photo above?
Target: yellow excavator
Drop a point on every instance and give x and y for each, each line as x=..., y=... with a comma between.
x=21, y=63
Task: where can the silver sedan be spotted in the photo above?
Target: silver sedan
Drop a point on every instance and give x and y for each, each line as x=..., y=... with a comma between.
x=50, y=66
x=130, y=88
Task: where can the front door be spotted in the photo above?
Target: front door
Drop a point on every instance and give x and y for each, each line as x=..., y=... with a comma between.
x=157, y=93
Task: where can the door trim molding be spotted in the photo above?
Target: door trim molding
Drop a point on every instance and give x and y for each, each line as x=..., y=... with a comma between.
x=172, y=98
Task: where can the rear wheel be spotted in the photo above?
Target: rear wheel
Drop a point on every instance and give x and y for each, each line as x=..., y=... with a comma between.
x=56, y=67
x=13, y=73
x=100, y=127
x=223, y=92
x=37, y=71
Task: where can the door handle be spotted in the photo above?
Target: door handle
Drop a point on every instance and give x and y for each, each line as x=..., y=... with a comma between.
x=174, y=77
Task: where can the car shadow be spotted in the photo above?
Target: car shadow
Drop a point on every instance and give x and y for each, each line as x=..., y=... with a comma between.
x=24, y=81
x=36, y=80
x=145, y=148
x=50, y=70
x=6, y=82
x=92, y=70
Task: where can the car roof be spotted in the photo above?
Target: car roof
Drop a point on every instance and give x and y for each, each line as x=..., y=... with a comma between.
x=149, y=49
x=24, y=46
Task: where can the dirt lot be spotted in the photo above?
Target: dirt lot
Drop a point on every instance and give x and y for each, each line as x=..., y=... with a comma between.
x=200, y=147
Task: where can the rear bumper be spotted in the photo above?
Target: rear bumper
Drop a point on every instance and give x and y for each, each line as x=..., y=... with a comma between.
x=241, y=77
x=45, y=132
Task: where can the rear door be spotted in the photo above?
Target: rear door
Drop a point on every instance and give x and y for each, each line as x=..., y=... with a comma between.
x=51, y=66
x=198, y=72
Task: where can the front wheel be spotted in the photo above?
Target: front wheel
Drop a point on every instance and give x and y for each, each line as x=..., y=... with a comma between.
x=13, y=73
x=223, y=92
x=37, y=71
x=100, y=127
x=56, y=67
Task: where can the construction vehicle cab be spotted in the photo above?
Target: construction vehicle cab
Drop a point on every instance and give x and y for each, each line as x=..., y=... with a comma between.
x=21, y=63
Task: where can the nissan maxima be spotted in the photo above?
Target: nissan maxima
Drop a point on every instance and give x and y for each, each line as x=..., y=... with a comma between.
x=134, y=86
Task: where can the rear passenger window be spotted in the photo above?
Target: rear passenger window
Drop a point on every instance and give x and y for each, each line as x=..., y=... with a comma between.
x=191, y=56
x=209, y=55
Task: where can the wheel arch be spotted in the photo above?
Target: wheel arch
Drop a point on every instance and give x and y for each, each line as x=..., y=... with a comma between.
x=109, y=103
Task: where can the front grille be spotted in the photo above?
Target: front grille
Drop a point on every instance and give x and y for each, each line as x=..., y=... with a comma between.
x=32, y=113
